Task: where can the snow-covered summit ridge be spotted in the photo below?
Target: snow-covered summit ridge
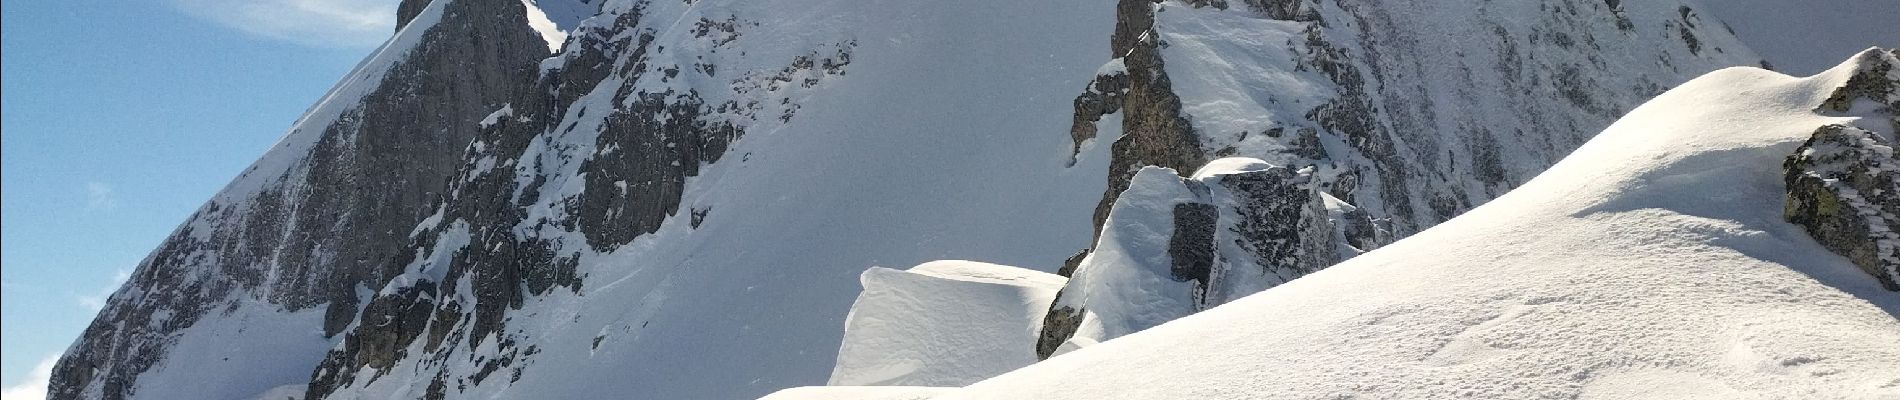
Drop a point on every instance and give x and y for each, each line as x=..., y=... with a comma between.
x=1652, y=262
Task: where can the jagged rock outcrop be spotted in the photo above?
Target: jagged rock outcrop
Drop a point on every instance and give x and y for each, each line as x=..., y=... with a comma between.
x=1844, y=182
x=316, y=219
x=1153, y=129
x=1175, y=246
x=1873, y=91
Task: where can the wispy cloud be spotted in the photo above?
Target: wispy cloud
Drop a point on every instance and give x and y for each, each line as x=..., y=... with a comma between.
x=97, y=299
x=34, y=387
x=99, y=196
x=323, y=23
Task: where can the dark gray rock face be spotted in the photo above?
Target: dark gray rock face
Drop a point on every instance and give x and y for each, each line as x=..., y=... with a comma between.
x=1844, y=188
x=1103, y=96
x=661, y=142
x=328, y=226
x=1192, y=246
x=1282, y=229
x=1057, y=327
x=408, y=10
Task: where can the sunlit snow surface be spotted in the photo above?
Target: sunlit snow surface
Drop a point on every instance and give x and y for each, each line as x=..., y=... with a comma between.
x=1651, y=263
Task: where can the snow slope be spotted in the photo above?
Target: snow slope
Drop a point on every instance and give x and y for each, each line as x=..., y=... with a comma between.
x=943, y=323
x=1653, y=262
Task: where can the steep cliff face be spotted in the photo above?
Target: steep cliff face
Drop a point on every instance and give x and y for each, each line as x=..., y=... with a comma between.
x=1398, y=114
x=312, y=223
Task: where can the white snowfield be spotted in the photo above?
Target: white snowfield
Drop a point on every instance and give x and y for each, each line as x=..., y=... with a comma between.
x=1653, y=263
x=943, y=323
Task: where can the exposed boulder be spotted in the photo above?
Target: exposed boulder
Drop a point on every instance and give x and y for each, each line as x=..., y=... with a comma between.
x=1844, y=187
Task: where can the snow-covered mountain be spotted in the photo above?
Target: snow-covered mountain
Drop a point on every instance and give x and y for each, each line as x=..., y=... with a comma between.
x=678, y=202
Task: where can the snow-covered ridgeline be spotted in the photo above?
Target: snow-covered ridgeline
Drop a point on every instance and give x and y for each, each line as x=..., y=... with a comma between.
x=1653, y=262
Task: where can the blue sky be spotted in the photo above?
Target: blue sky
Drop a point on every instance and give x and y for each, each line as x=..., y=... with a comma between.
x=122, y=117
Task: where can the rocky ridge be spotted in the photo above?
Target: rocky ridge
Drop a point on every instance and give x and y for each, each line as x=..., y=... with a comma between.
x=1842, y=183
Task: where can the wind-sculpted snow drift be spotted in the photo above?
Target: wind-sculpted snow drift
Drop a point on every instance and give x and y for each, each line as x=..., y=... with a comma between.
x=1654, y=262
x=678, y=203
x=943, y=323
